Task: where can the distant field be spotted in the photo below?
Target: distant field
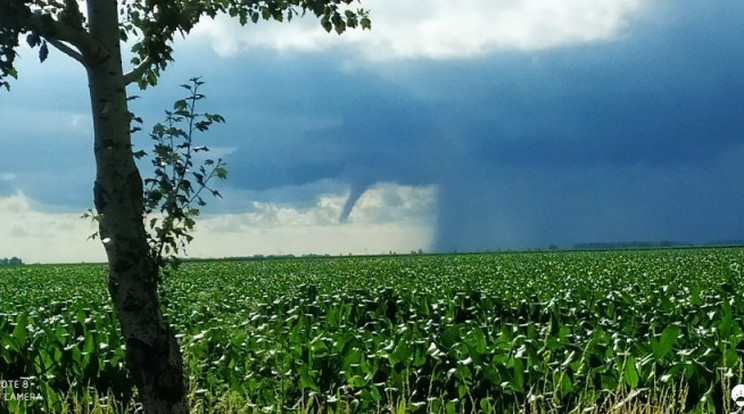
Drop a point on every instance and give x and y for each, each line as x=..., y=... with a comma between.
x=506, y=332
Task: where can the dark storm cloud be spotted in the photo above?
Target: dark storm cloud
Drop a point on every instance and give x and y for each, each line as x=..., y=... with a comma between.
x=638, y=138
x=647, y=98
x=317, y=122
x=619, y=140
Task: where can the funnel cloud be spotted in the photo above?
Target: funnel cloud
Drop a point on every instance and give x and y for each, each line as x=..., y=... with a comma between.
x=357, y=190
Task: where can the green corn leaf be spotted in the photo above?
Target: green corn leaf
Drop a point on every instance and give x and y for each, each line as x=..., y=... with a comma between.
x=631, y=373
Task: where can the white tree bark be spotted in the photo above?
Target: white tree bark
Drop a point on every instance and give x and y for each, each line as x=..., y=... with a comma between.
x=153, y=355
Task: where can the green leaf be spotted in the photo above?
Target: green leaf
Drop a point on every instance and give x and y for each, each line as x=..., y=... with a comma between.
x=366, y=23
x=666, y=342
x=19, y=332
x=340, y=26
x=565, y=384
x=180, y=105
x=43, y=52
x=33, y=39
x=631, y=373
x=220, y=173
x=307, y=380
x=478, y=340
x=518, y=372
x=402, y=352
x=725, y=325
x=151, y=79
x=326, y=23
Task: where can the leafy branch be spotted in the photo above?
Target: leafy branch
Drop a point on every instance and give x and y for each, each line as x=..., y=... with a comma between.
x=173, y=196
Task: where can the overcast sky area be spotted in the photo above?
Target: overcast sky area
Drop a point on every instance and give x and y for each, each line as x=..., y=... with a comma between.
x=451, y=126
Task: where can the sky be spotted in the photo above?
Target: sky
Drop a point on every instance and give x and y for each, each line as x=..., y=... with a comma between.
x=450, y=126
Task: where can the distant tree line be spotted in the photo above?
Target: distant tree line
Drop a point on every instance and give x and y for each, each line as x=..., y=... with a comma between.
x=13, y=261
x=652, y=244
x=629, y=245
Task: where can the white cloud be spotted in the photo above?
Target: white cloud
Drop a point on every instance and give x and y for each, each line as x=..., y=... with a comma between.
x=319, y=239
x=6, y=176
x=387, y=218
x=38, y=236
x=438, y=29
x=382, y=204
x=389, y=203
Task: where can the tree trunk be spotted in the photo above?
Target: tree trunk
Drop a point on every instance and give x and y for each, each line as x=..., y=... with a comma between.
x=152, y=353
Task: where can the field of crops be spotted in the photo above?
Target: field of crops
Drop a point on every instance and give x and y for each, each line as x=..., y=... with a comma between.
x=505, y=332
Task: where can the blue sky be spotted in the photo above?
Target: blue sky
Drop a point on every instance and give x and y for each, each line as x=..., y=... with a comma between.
x=459, y=126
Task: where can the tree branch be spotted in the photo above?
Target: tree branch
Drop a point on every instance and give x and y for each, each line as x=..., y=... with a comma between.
x=135, y=74
x=61, y=35
x=67, y=50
